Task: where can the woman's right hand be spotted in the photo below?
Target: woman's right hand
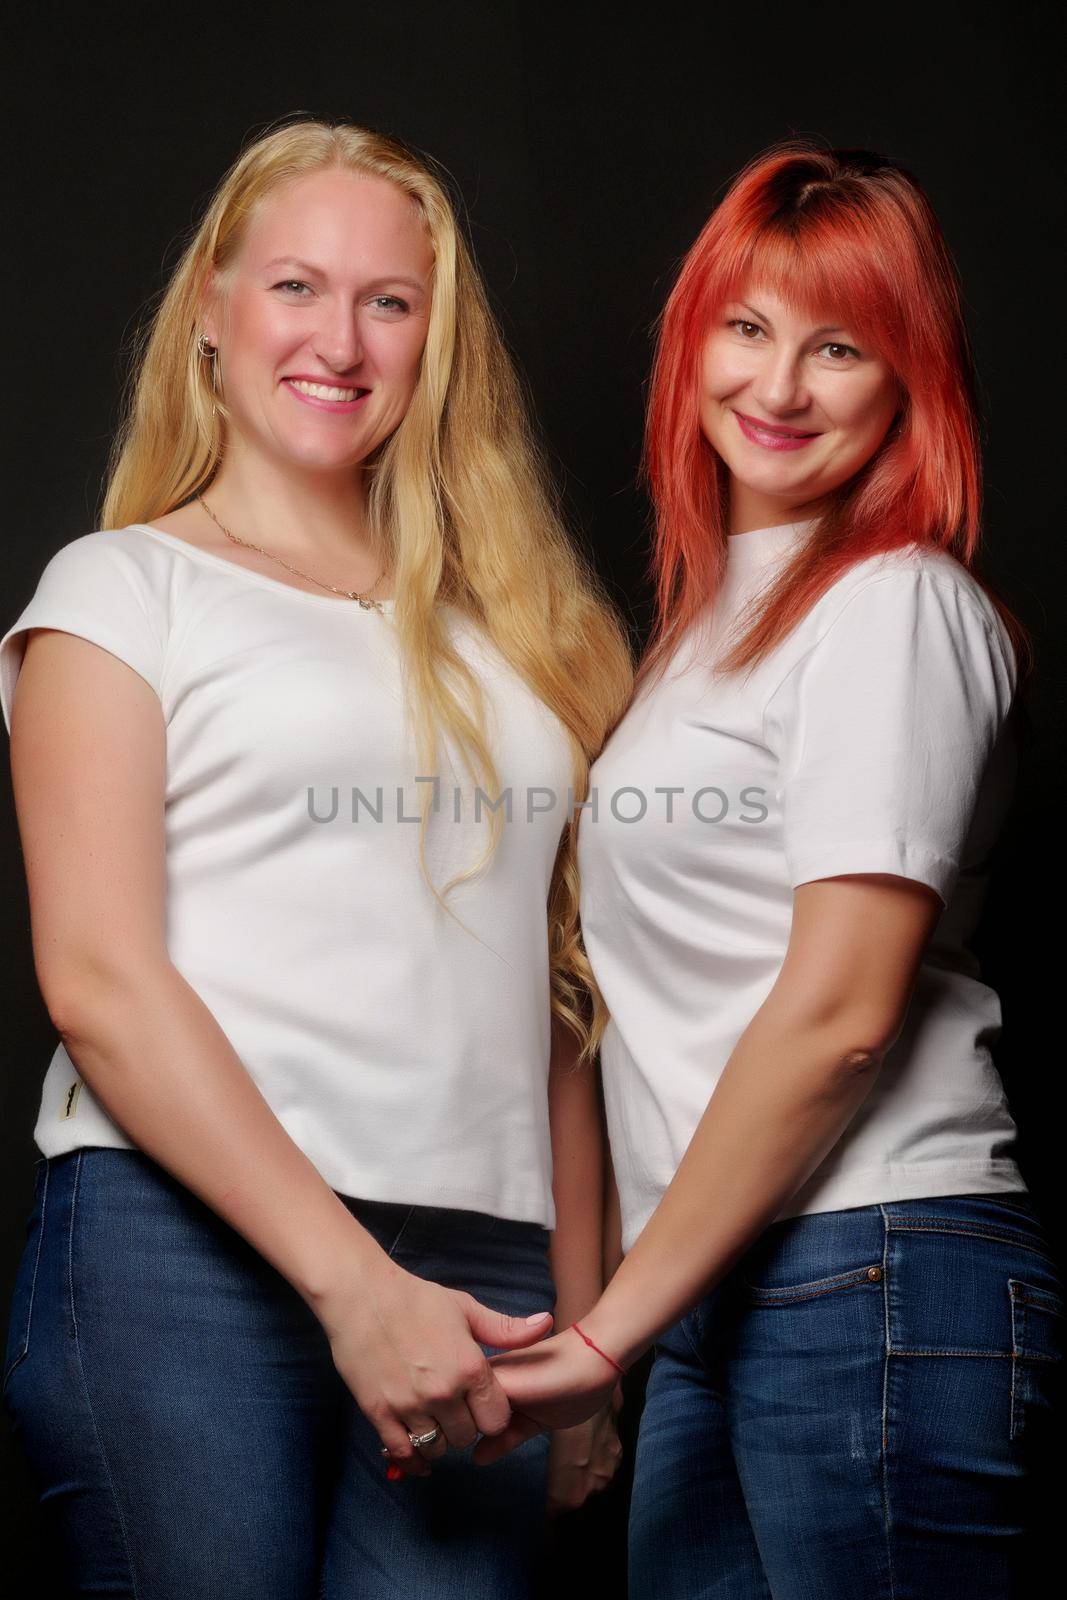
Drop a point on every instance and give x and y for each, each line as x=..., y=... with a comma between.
x=408, y=1351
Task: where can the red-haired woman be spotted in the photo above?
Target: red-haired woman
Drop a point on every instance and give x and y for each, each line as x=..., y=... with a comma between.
x=856, y=1317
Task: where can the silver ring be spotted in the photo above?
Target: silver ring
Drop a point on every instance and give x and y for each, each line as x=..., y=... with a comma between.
x=417, y=1440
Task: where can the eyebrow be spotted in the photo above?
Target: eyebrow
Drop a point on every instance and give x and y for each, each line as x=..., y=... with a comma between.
x=829, y=328
x=317, y=272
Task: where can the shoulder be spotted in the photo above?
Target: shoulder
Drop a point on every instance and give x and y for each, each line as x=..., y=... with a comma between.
x=120, y=573
x=105, y=586
x=908, y=576
x=914, y=591
x=109, y=552
x=911, y=615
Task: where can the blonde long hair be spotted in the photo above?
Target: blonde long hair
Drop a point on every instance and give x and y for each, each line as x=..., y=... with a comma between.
x=459, y=495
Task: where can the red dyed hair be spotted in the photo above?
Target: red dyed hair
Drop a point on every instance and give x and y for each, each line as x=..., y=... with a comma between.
x=852, y=234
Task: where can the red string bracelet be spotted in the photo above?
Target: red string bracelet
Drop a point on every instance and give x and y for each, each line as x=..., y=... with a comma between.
x=598, y=1350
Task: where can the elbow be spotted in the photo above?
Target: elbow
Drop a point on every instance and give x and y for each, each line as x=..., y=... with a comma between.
x=845, y=1071
x=67, y=987
x=69, y=1008
x=63, y=996
x=79, y=996
x=849, y=1031
x=860, y=1048
x=842, y=1042
x=842, y=1030
x=859, y=1062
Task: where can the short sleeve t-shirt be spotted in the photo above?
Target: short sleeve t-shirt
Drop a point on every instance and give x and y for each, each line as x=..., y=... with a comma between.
x=874, y=738
x=404, y=1049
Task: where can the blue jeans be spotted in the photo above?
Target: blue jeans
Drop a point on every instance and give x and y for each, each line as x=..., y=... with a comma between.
x=189, y=1434
x=861, y=1410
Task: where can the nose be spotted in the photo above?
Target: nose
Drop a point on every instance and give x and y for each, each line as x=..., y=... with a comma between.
x=339, y=340
x=779, y=385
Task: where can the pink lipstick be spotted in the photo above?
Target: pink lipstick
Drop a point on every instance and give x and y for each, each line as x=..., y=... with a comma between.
x=772, y=437
x=342, y=406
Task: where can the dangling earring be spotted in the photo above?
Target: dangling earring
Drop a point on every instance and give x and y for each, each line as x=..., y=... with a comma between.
x=206, y=348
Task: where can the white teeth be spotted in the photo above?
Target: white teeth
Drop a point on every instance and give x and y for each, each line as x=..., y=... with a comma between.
x=321, y=392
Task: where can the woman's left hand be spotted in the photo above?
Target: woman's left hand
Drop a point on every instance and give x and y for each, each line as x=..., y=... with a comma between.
x=558, y=1383
x=583, y=1460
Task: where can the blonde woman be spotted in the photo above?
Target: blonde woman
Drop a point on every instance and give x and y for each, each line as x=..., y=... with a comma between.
x=292, y=746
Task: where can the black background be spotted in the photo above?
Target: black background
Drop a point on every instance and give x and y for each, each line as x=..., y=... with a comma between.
x=589, y=146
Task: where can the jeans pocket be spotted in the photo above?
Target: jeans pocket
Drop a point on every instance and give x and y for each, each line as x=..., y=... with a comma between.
x=810, y=1258
x=1037, y=1329
x=790, y=1294
x=21, y=1310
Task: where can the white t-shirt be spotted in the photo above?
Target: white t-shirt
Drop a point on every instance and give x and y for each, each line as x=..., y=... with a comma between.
x=405, y=1054
x=872, y=739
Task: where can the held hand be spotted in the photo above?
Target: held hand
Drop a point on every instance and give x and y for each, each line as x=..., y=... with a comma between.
x=583, y=1460
x=557, y=1384
x=408, y=1351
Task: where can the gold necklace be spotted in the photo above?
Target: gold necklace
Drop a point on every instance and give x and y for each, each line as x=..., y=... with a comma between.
x=350, y=594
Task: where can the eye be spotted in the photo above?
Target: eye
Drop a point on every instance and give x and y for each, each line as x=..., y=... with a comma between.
x=390, y=302
x=843, y=352
x=292, y=283
x=741, y=325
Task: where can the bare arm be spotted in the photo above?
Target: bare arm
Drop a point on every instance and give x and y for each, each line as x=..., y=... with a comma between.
x=89, y=797
x=88, y=754
x=798, y=1075
x=795, y=1080
x=582, y=1459
x=575, y=1250
x=612, y=1219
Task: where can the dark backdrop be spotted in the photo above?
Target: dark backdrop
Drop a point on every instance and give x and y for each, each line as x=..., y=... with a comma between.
x=589, y=147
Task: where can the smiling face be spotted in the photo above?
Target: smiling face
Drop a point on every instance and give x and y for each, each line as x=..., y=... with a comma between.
x=793, y=406
x=331, y=287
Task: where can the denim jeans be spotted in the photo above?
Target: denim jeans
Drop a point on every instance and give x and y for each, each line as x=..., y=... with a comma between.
x=190, y=1436
x=861, y=1410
